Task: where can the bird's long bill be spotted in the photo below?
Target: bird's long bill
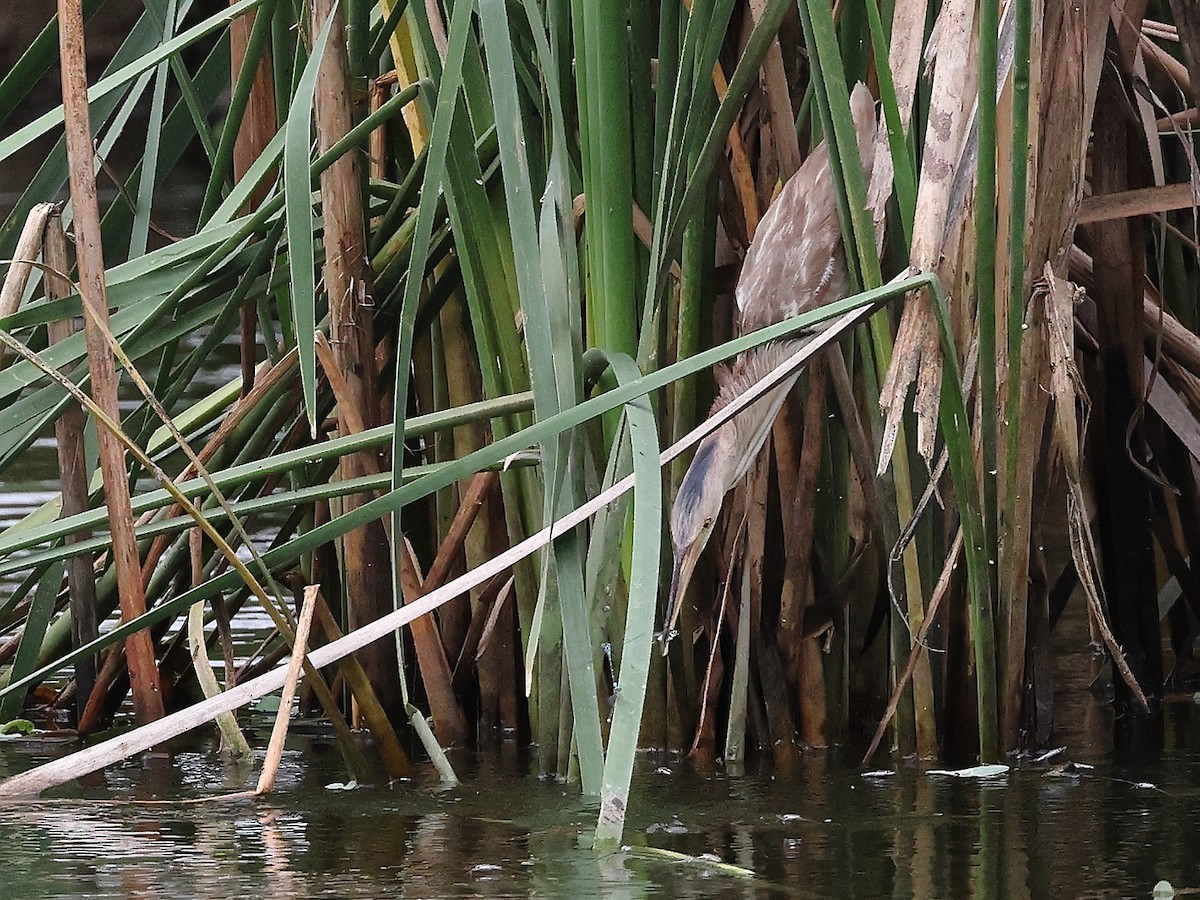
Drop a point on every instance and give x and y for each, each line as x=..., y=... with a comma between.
x=681, y=576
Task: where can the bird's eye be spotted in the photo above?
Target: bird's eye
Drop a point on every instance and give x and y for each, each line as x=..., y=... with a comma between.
x=708, y=523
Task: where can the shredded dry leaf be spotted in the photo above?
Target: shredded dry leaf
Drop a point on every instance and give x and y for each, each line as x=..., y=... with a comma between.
x=917, y=356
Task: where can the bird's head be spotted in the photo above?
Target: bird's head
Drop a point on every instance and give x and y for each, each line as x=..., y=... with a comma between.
x=695, y=512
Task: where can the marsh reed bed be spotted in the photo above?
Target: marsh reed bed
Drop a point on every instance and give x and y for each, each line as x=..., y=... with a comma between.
x=480, y=256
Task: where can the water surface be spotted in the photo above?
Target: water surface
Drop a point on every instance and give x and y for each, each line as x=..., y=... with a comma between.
x=827, y=831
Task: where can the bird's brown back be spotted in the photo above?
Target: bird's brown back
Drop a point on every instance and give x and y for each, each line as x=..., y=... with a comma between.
x=796, y=261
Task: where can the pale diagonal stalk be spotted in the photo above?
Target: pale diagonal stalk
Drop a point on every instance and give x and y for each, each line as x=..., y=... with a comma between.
x=847, y=312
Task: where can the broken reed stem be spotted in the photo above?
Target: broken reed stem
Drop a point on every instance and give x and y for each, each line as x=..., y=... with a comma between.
x=139, y=648
x=29, y=245
x=232, y=739
x=266, y=781
x=432, y=663
x=477, y=492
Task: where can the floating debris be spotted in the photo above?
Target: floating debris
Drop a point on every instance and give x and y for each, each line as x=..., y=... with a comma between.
x=994, y=770
x=705, y=859
x=1050, y=754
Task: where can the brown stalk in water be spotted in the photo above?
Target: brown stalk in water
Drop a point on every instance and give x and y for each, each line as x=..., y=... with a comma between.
x=73, y=475
x=804, y=653
x=283, y=716
x=143, y=670
x=366, y=565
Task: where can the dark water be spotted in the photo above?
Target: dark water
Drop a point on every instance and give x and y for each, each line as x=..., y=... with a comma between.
x=827, y=832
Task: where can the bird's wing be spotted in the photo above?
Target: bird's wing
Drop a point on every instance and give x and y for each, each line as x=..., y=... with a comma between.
x=748, y=369
x=795, y=262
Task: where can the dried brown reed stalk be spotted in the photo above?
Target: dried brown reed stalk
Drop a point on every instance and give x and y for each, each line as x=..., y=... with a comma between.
x=143, y=668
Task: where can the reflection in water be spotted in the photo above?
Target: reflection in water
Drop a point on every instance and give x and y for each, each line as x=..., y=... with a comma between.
x=826, y=832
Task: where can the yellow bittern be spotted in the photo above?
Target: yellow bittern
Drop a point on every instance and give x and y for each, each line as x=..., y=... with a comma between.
x=795, y=263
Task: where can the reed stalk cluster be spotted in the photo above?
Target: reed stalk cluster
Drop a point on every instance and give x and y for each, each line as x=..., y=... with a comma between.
x=478, y=257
